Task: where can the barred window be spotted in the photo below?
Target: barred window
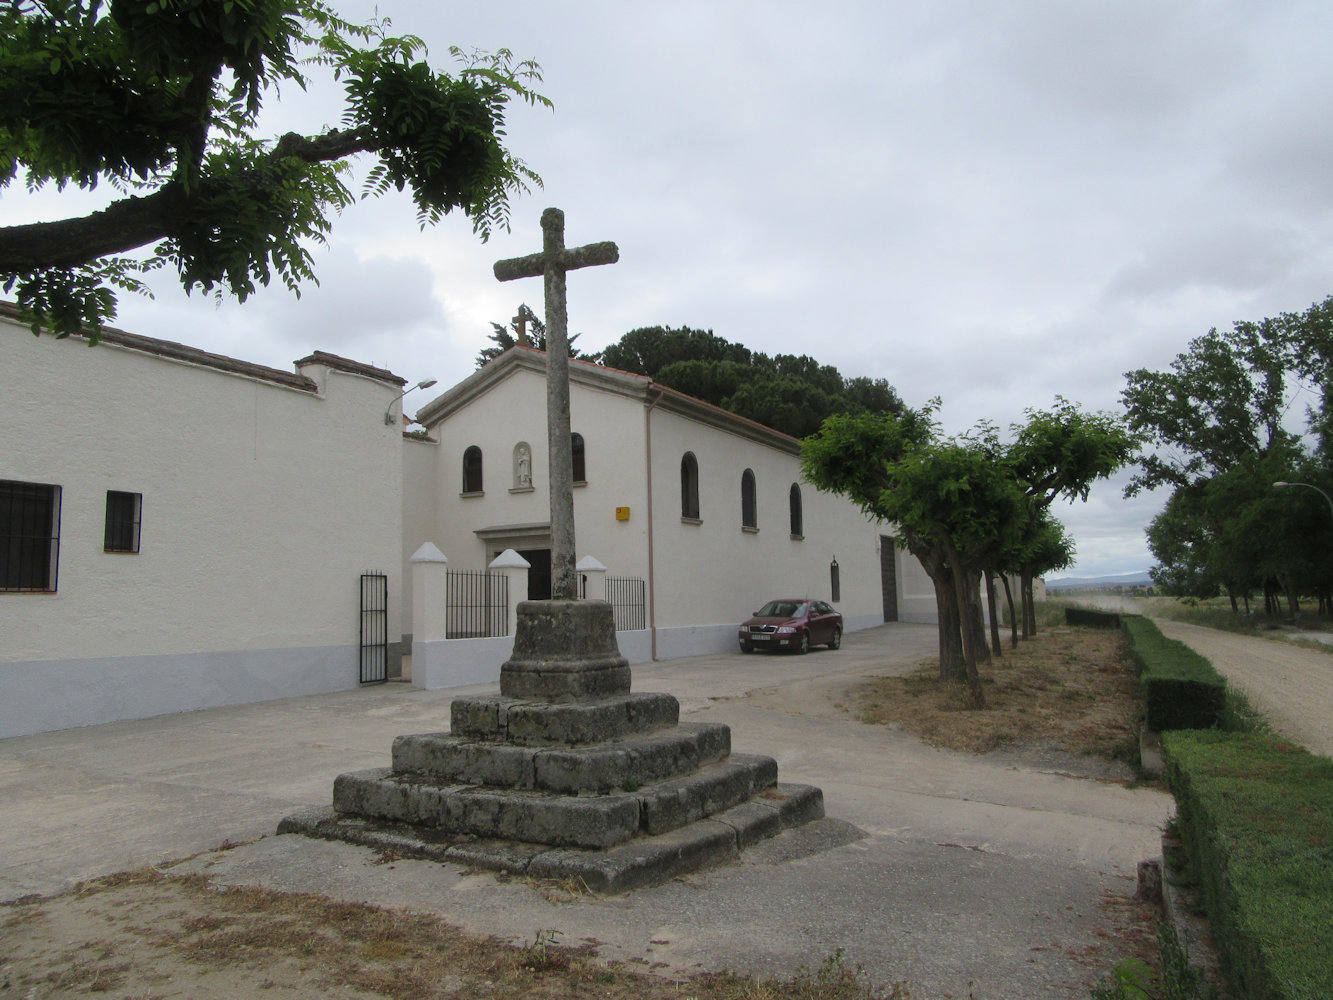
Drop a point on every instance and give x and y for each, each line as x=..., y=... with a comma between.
x=123, y=514
x=29, y=536
x=797, y=516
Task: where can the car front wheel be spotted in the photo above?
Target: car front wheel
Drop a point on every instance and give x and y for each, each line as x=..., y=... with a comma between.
x=747, y=648
x=836, y=641
x=803, y=643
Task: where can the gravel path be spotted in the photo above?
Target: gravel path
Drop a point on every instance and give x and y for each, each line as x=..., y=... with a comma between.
x=1291, y=686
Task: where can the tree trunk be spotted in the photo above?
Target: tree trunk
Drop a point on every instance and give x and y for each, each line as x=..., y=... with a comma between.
x=952, y=667
x=1013, y=618
x=976, y=620
x=996, y=650
x=946, y=611
x=976, y=697
x=1029, y=612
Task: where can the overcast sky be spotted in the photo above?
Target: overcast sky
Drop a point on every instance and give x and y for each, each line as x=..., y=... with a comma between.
x=989, y=202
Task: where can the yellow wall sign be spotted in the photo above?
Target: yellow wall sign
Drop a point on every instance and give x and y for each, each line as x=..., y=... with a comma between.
x=622, y=513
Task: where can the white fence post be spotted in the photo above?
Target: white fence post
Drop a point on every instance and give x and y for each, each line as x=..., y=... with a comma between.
x=430, y=594
x=515, y=569
x=592, y=579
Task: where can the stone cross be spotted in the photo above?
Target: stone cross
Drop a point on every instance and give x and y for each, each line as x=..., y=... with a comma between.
x=552, y=263
x=521, y=325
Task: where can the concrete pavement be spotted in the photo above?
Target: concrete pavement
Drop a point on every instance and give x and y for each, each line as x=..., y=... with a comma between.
x=974, y=872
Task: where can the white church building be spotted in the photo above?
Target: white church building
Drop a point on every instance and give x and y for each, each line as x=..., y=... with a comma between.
x=181, y=530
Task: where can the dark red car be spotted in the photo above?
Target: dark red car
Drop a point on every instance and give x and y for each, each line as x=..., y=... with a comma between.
x=794, y=624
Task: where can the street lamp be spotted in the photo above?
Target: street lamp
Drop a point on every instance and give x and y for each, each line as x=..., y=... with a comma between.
x=423, y=384
x=1309, y=487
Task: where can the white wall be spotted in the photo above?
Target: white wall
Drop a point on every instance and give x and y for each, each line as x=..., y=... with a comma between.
x=703, y=578
x=513, y=411
x=716, y=572
x=420, y=511
x=262, y=505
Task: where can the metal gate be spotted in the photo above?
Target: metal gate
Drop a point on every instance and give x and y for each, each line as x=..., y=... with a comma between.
x=374, y=628
x=888, y=577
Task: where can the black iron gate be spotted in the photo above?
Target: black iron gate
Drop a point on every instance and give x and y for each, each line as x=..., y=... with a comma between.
x=374, y=628
x=888, y=577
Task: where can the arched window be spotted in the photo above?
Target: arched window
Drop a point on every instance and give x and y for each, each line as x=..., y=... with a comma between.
x=576, y=450
x=794, y=503
x=472, y=469
x=749, y=505
x=689, y=486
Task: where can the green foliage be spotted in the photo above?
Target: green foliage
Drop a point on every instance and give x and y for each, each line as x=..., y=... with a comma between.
x=647, y=350
x=790, y=393
x=1221, y=430
x=534, y=330
x=969, y=504
x=161, y=98
x=1256, y=815
x=1130, y=980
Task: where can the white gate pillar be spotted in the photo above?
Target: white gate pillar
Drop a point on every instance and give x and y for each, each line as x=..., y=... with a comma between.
x=430, y=594
x=515, y=569
x=592, y=579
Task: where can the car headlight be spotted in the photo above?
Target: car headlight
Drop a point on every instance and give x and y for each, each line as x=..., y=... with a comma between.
x=787, y=629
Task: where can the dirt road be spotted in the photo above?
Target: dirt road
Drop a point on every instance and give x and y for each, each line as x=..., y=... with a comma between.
x=1291, y=686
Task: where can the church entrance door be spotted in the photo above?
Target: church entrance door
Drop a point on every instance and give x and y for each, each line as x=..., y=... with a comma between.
x=539, y=572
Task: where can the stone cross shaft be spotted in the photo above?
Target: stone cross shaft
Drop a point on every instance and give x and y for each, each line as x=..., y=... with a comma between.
x=552, y=263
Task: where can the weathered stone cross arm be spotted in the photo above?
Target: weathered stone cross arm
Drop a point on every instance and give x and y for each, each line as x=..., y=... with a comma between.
x=570, y=259
x=551, y=265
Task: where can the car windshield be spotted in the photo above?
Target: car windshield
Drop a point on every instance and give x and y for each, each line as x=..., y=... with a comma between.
x=782, y=609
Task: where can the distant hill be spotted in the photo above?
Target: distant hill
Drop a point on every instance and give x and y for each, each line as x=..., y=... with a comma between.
x=1138, y=579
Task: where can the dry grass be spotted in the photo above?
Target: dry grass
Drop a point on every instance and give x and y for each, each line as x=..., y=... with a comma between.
x=139, y=932
x=1068, y=687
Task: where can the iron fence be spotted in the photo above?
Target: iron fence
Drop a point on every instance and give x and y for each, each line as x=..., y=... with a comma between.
x=478, y=605
x=627, y=596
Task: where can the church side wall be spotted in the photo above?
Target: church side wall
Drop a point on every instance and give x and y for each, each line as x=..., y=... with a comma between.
x=713, y=574
x=261, y=506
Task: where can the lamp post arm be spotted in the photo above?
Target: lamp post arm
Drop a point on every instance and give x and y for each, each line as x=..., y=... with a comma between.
x=425, y=383
x=1308, y=486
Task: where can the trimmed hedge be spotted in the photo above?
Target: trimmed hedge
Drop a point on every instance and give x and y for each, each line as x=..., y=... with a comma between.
x=1256, y=815
x=1180, y=688
x=1091, y=618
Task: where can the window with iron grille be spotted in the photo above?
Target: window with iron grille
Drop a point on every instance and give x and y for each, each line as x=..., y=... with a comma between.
x=123, y=513
x=29, y=536
x=797, y=517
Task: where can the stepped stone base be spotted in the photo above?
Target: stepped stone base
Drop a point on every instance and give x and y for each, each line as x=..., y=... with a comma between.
x=566, y=774
x=635, y=864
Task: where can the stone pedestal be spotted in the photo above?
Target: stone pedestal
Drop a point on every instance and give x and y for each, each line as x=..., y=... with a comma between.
x=566, y=774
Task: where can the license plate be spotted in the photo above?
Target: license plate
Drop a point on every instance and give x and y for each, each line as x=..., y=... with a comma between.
x=760, y=637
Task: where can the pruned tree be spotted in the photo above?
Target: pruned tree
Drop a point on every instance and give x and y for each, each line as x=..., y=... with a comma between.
x=159, y=100
x=954, y=504
x=1059, y=454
